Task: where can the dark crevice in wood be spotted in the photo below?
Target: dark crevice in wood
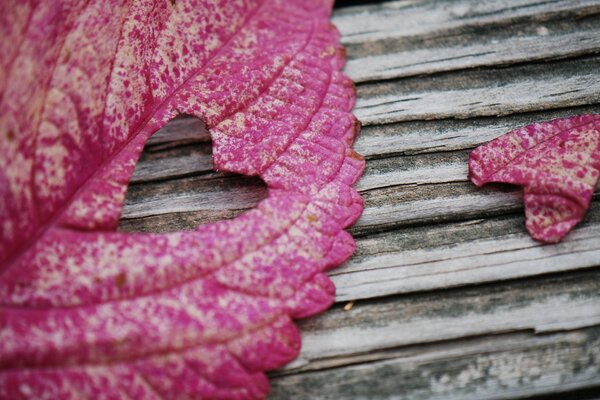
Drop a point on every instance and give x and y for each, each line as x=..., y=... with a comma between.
x=353, y=3
x=591, y=393
x=174, y=145
x=183, y=175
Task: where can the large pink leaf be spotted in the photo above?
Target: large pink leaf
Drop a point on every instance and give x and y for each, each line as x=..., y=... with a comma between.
x=88, y=312
x=557, y=162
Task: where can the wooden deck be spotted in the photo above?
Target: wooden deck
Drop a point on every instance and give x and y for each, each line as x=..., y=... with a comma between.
x=447, y=297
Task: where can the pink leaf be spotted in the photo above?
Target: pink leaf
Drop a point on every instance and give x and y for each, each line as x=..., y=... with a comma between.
x=557, y=162
x=88, y=312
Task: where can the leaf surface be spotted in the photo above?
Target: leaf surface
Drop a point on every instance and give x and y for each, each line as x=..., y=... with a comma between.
x=558, y=164
x=88, y=312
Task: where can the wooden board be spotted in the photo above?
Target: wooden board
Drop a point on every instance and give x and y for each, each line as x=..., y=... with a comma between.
x=447, y=296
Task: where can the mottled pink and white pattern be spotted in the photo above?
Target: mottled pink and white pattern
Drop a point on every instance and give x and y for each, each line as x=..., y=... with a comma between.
x=90, y=313
x=558, y=164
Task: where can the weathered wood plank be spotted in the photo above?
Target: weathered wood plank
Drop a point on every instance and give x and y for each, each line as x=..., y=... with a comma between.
x=173, y=162
x=397, y=206
x=179, y=221
x=485, y=52
x=415, y=169
x=542, y=305
x=216, y=192
x=494, y=367
x=472, y=252
x=476, y=93
x=493, y=34
x=399, y=19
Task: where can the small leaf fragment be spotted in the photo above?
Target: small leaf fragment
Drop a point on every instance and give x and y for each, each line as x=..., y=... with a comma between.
x=558, y=164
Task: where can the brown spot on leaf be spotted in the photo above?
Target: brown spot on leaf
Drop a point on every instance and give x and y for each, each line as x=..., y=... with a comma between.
x=312, y=218
x=120, y=280
x=10, y=135
x=341, y=51
x=355, y=155
x=355, y=131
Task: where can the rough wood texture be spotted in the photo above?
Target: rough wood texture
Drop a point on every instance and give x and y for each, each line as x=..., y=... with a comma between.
x=492, y=367
x=447, y=297
x=478, y=93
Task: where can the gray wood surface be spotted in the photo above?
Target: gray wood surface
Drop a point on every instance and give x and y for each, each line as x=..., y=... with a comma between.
x=446, y=297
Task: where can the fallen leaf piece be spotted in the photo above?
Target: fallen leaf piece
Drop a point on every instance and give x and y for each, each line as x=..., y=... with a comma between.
x=558, y=164
x=88, y=312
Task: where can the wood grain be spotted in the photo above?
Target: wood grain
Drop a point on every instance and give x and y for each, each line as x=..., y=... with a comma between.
x=515, y=43
x=408, y=20
x=540, y=305
x=478, y=93
x=469, y=255
x=493, y=367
